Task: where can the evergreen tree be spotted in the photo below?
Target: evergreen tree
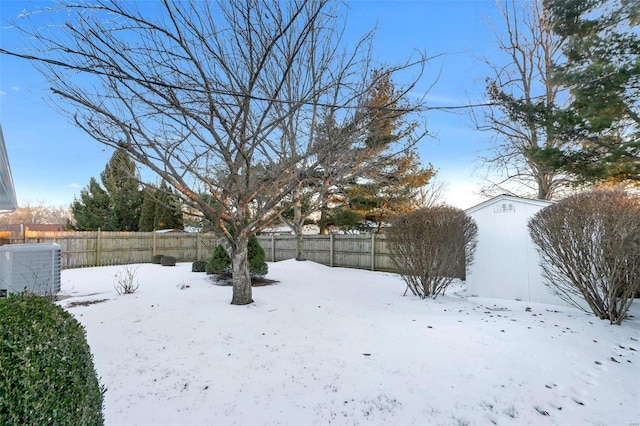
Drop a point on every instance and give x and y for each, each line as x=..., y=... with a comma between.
x=257, y=264
x=93, y=209
x=147, y=210
x=168, y=212
x=392, y=191
x=601, y=67
x=392, y=180
x=121, y=183
x=117, y=206
x=193, y=218
x=160, y=209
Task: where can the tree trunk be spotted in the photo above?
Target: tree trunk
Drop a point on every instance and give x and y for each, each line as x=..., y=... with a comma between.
x=299, y=251
x=298, y=221
x=241, y=277
x=544, y=186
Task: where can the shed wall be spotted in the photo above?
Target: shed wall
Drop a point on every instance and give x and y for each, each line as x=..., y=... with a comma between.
x=507, y=264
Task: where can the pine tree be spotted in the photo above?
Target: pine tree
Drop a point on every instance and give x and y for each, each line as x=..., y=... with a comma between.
x=93, y=209
x=117, y=206
x=392, y=191
x=168, y=212
x=601, y=67
x=392, y=180
x=147, y=210
x=121, y=183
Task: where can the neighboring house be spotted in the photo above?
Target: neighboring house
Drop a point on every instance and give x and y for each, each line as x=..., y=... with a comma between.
x=310, y=229
x=507, y=263
x=278, y=230
x=38, y=227
x=8, y=200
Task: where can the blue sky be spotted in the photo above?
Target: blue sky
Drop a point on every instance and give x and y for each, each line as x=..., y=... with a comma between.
x=51, y=160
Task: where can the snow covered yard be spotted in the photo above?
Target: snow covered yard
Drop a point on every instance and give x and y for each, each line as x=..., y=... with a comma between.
x=338, y=346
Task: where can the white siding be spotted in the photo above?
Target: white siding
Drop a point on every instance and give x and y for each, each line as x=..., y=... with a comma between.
x=506, y=263
x=8, y=200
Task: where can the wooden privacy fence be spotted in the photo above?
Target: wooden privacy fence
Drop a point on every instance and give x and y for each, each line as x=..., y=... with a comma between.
x=101, y=248
x=365, y=251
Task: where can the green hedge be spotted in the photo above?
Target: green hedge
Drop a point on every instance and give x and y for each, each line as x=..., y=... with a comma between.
x=168, y=261
x=46, y=368
x=199, y=266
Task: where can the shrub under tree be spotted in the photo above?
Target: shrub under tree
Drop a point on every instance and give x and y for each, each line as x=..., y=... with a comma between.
x=427, y=246
x=589, y=246
x=257, y=264
x=220, y=262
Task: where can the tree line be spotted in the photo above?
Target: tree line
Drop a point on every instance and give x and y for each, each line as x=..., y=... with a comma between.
x=121, y=203
x=389, y=185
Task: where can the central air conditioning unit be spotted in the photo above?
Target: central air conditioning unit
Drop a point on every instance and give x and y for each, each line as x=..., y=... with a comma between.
x=31, y=267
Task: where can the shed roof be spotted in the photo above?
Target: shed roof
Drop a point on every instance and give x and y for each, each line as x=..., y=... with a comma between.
x=8, y=200
x=512, y=198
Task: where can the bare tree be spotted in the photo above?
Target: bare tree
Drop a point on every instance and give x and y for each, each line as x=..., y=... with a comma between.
x=524, y=97
x=37, y=213
x=198, y=92
x=432, y=195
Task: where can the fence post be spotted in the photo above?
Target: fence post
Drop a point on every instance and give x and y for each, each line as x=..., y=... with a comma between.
x=153, y=249
x=373, y=251
x=273, y=248
x=98, y=254
x=331, y=250
x=197, y=246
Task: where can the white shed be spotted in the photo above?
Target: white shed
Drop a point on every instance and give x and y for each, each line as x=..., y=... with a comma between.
x=506, y=263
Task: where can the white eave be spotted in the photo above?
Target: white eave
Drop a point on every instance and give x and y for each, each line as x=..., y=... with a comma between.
x=504, y=197
x=8, y=200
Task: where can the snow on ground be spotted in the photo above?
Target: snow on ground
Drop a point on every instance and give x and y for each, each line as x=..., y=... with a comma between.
x=339, y=346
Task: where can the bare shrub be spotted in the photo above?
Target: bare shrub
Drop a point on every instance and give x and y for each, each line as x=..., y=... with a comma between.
x=124, y=281
x=589, y=246
x=427, y=246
